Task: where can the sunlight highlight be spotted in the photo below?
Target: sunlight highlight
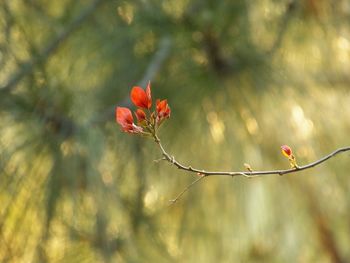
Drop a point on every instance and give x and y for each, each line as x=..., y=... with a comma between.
x=302, y=125
x=217, y=127
x=151, y=198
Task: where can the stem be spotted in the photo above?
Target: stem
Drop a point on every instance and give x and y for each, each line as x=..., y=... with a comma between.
x=249, y=174
x=186, y=189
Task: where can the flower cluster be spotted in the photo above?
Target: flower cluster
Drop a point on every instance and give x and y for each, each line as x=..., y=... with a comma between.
x=147, y=122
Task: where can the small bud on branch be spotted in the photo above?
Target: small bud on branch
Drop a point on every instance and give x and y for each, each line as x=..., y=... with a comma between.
x=287, y=151
x=248, y=167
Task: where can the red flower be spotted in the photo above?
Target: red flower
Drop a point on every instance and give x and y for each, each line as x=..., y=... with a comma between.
x=163, y=109
x=123, y=116
x=142, y=98
x=140, y=115
x=286, y=151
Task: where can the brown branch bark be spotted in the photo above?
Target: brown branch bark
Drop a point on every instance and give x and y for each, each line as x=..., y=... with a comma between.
x=189, y=168
x=250, y=174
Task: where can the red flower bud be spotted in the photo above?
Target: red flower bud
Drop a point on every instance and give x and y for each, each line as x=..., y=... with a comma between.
x=286, y=151
x=140, y=115
x=163, y=109
x=141, y=98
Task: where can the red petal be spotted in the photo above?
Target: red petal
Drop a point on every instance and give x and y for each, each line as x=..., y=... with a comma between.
x=140, y=115
x=123, y=116
x=141, y=98
x=127, y=128
x=163, y=109
x=161, y=105
x=168, y=111
x=148, y=93
x=138, y=97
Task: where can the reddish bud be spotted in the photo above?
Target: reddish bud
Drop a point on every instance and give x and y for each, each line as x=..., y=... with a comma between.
x=163, y=109
x=141, y=98
x=286, y=151
x=123, y=116
x=140, y=115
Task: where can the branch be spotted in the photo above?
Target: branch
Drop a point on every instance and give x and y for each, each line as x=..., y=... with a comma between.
x=186, y=189
x=249, y=174
x=28, y=67
x=148, y=123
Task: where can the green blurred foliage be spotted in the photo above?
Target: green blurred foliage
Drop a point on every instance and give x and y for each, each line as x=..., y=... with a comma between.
x=241, y=77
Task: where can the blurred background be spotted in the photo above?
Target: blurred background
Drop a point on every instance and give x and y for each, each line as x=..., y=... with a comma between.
x=241, y=77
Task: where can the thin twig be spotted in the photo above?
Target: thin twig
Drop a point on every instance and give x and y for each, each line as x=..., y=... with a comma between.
x=186, y=189
x=171, y=159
